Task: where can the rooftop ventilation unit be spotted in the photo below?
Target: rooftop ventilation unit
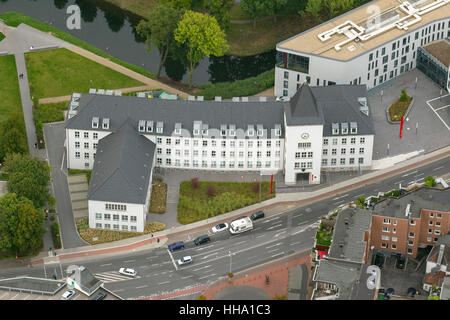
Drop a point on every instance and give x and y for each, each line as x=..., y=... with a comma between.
x=76, y=96
x=408, y=211
x=117, y=93
x=109, y=92
x=140, y=94
x=262, y=99
x=200, y=98
x=191, y=98
x=92, y=91
x=382, y=19
x=244, y=99
x=218, y=99
x=235, y=99
x=101, y=91
x=74, y=105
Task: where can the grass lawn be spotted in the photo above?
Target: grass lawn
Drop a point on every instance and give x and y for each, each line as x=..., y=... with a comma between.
x=325, y=231
x=59, y=72
x=76, y=171
x=4, y=176
x=237, y=14
x=158, y=197
x=109, y=235
x=9, y=88
x=196, y=204
x=45, y=113
x=398, y=108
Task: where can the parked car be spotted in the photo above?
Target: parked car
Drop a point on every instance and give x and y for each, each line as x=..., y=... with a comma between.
x=257, y=215
x=400, y=263
x=411, y=292
x=220, y=227
x=390, y=292
x=378, y=260
x=128, y=272
x=99, y=296
x=185, y=260
x=282, y=98
x=202, y=239
x=176, y=246
x=67, y=295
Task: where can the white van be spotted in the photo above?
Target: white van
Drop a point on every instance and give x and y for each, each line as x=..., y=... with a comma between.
x=240, y=225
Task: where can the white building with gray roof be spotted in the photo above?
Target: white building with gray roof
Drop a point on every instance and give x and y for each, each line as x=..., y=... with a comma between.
x=112, y=135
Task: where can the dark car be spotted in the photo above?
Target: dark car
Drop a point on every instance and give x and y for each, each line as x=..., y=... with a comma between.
x=400, y=264
x=99, y=296
x=390, y=292
x=378, y=260
x=202, y=240
x=176, y=246
x=257, y=215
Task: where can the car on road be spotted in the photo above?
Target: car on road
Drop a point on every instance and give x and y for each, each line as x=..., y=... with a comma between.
x=400, y=263
x=176, y=246
x=67, y=295
x=282, y=98
x=185, y=260
x=100, y=296
x=220, y=227
x=257, y=215
x=128, y=272
x=202, y=239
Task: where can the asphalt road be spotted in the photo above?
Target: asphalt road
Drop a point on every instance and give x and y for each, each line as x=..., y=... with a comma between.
x=272, y=238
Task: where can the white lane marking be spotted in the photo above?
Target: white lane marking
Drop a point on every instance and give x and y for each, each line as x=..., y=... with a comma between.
x=203, y=248
x=273, y=250
x=118, y=290
x=442, y=107
x=187, y=276
x=274, y=245
x=359, y=195
x=142, y=287
x=128, y=261
x=104, y=265
x=342, y=201
x=294, y=243
x=271, y=219
x=165, y=282
x=155, y=265
x=238, y=243
x=420, y=174
x=437, y=114
x=340, y=197
x=209, y=255
x=277, y=254
x=438, y=98
x=173, y=261
x=252, y=257
x=211, y=275
x=148, y=258
x=398, y=182
x=438, y=168
x=408, y=174
x=257, y=228
x=202, y=268
x=278, y=225
x=261, y=235
x=280, y=233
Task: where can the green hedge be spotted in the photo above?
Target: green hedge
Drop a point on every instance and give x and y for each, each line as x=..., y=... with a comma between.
x=76, y=171
x=55, y=235
x=14, y=19
x=239, y=88
x=45, y=113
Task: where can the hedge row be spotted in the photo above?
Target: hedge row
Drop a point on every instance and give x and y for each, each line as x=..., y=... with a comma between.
x=55, y=235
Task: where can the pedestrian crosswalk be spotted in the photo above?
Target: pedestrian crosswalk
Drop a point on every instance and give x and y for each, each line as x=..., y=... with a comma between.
x=113, y=276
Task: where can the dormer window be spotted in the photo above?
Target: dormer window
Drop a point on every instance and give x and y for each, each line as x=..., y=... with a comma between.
x=250, y=130
x=259, y=130
x=141, y=126
x=335, y=128
x=159, y=127
x=353, y=128
x=223, y=130
x=204, y=129
x=177, y=128
x=232, y=130
x=197, y=126
x=278, y=130
x=95, y=121
x=344, y=128
x=149, y=126
x=105, y=124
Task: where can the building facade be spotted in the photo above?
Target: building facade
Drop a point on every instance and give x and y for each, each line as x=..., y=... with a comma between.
x=345, y=50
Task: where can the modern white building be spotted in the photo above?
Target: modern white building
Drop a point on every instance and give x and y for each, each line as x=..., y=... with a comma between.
x=368, y=45
x=122, y=138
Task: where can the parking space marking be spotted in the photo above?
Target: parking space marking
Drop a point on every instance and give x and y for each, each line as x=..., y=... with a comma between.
x=277, y=225
x=437, y=114
x=173, y=261
x=203, y=248
x=165, y=282
x=442, y=107
x=438, y=168
x=142, y=287
x=210, y=275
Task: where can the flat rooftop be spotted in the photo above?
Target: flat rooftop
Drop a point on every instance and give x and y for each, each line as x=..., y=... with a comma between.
x=440, y=50
x=343, y=30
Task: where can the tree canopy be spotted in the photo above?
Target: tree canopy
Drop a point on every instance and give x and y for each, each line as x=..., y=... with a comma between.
x=220, y=9
x=202, y=36
x=28, y=177
x=13, y=137
x=21, y=225
x=159, y=29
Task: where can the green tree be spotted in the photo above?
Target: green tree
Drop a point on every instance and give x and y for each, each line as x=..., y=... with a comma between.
x=275, y=7
x=430, y=181
x=21, y=225
x=314, y=7
x=159, y=29
x=13, y=137
x=179, y=4
x=403, y=96
x=220, y=9
x=28, y=177
x=336, y=7
x=255, y=9
x=202, y=36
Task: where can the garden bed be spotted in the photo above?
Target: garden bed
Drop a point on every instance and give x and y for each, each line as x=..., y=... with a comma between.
x=87, y=234
x=158, y=197
x=398, y=109
x=55, y=235
x=210, y=199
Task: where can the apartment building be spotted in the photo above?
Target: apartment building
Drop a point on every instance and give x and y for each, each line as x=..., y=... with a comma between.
x=369, y=45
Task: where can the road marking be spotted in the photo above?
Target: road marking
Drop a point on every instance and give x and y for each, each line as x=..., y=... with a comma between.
x=273, y=250
x=257, y=228
x=277, y=254
x=408, y=174
x=274, y=245
x=442, y=107
x=261, y=235
x=142, y=287
x=118, y=290
x=165, y=282
x=280, y=233
x=342, y=201
x=278, y=225
x=129, y=261
x=203, y=248
x=297, y=215
x=340, y=197
x=420, y=174
x=173, y=261
x=148, y=258
x=437, y=98
x=399, y=182
x=202, y=268
x=437, y=114
x=209, y=255
x=187, y=276
x=155, y=265
x=293, y=243
x=104, y=265
x=207, y=276
x=238, y=243
x=438, y=168
x=360, y=195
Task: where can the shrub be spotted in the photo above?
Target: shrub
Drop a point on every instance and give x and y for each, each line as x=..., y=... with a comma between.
x=360, y=201
x=55, y=235
x=52, y=218
x=430, y=181
x=230, y=274
x=211, y=191
x=194, y=183
x=201, y=297
x=403, y=96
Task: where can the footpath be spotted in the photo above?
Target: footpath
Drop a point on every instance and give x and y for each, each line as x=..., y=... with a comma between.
x=281, y=203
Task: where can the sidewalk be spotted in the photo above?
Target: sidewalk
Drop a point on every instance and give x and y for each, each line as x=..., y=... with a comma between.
x=287, y=201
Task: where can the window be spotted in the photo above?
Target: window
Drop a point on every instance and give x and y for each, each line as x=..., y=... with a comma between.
x=410, y=243
x=125, y=227
x=353, y=140
x=269, y=144
x=394, y=247
x=325, y=142
x=387, y=221
x=343, y=150
x=431, y=215
x=115, y=217
x=394, y=239
x=133, y=228
x=77, y=155
x=344, y=141
x=333, y=162
x=333, y=151
x=186, y=142
x=352, y=150
x=371, y=57
x=77, y=144
x=335, y=141
x=385, y=238
x=430, y=223
x=95, y=135
x=412, y=222
x=439, y=215
x=324, y=162
x=411, y=234
x=86, y=145
x=385, y=229
x=430, y=231
x=325, y=152
x=107, y=216
x=86, y=135
x=177, y=142
x=410, y=251
x=285, y=84
x=116, y=227
x=304, y=145
x=107, y=226
x=86, y=155
x=342, y=162
x=438, y=224
x=428, y=239
x=158, y=140
x=395, y=222
x=361, y=150
x=124, y=218
x=98, y=225
x=278, y=143
x=437, y=231
x=98, y=216
x=384, y=245
x=351, y=161
x=286, y=74
x=77, y=134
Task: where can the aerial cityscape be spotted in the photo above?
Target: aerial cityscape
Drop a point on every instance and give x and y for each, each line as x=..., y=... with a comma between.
x=191, y=150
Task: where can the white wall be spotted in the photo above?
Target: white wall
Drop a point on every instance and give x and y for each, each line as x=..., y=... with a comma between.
x=79, y=163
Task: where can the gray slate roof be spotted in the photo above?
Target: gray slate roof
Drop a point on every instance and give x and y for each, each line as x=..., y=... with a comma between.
x=445, y=291
x=170, y=112
x=348, y=237
x=423, y=198
x=302, y=109
x=122, y=166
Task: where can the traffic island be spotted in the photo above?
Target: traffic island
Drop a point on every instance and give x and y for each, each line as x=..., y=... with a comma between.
x=400, y=108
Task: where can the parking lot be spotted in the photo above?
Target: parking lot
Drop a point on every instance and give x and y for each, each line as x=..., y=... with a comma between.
x=441, y=107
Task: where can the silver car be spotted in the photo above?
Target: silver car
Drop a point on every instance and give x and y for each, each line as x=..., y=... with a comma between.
x=67, y=295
